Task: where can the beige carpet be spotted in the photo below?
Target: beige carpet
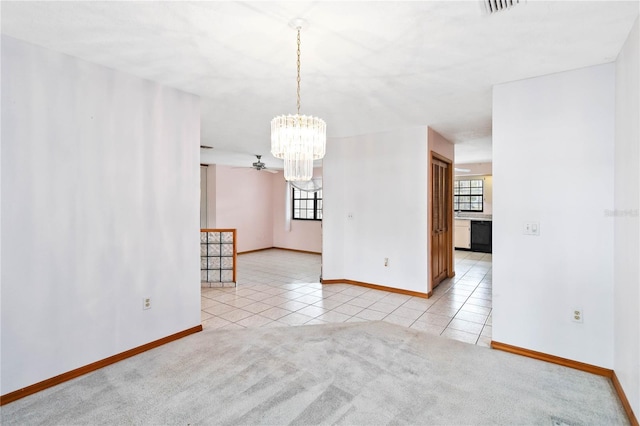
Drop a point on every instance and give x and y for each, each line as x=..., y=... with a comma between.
x=349, y=374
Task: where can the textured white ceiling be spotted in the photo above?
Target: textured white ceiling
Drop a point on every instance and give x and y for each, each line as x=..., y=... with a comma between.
x=366, y=66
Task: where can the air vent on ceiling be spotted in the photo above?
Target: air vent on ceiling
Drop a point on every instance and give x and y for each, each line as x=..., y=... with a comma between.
x=493, y=6
x=206, y=147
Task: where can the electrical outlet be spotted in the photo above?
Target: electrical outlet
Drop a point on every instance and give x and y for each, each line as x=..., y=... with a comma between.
x=146, y=303
x=577, y=315
x=386, y=261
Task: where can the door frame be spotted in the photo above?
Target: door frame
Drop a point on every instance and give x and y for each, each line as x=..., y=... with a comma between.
x=449, y=214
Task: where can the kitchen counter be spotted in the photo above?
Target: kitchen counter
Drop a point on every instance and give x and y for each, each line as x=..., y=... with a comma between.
x=474, y=217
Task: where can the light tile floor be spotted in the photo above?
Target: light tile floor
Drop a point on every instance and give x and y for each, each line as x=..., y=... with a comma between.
x=278, y=288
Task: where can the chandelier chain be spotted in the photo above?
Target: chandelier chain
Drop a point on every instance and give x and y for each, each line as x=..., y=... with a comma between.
x=298, y=64
x=298, y=139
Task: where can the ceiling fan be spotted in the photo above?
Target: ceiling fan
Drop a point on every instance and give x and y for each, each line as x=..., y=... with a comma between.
x=260, y=166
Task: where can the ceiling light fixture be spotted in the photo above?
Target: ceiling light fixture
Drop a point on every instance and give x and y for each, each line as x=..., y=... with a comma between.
x=298, y=139
x=493, y=6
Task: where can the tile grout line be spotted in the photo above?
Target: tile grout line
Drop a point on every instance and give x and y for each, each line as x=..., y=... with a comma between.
x=288, y=288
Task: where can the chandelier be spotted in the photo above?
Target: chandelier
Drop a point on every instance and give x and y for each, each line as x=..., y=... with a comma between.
x=298, y=139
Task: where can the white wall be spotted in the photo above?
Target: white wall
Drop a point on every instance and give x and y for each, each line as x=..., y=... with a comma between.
x=212, y=206
x=208, y=186
x=553, y=144
x=334, y=166
x=627, y=229
x=204, y=204
x=303, y=235
x=99, y=209
x=381, y=181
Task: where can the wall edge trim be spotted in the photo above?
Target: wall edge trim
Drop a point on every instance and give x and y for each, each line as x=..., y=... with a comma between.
x=378, y=287
x=298, y=251
x=254, y=251
x=589, y=368
x=69, y=375
x=623, y=399
x=279, y=248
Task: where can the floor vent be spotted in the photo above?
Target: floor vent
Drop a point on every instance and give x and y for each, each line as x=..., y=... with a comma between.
x=493, y=6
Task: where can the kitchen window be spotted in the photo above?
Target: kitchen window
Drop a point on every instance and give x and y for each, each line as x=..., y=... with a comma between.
x=307, y=205
x=468, y=195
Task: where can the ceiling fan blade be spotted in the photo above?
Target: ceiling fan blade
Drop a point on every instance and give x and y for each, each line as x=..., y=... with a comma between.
x=269, y=171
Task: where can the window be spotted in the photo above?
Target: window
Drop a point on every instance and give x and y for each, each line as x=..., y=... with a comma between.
x=307, y=205
x=468, y=195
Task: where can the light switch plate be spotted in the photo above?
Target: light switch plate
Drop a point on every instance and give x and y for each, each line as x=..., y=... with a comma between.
x=531, y=228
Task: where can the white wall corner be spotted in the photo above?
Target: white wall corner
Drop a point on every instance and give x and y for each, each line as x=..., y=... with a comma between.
x=553, y=145
x=625, y=215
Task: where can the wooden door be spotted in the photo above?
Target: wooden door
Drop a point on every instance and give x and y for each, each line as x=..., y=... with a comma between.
x=441, y=229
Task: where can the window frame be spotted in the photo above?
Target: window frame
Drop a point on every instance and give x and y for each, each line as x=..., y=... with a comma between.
x=457, y=195
x=317, y=204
